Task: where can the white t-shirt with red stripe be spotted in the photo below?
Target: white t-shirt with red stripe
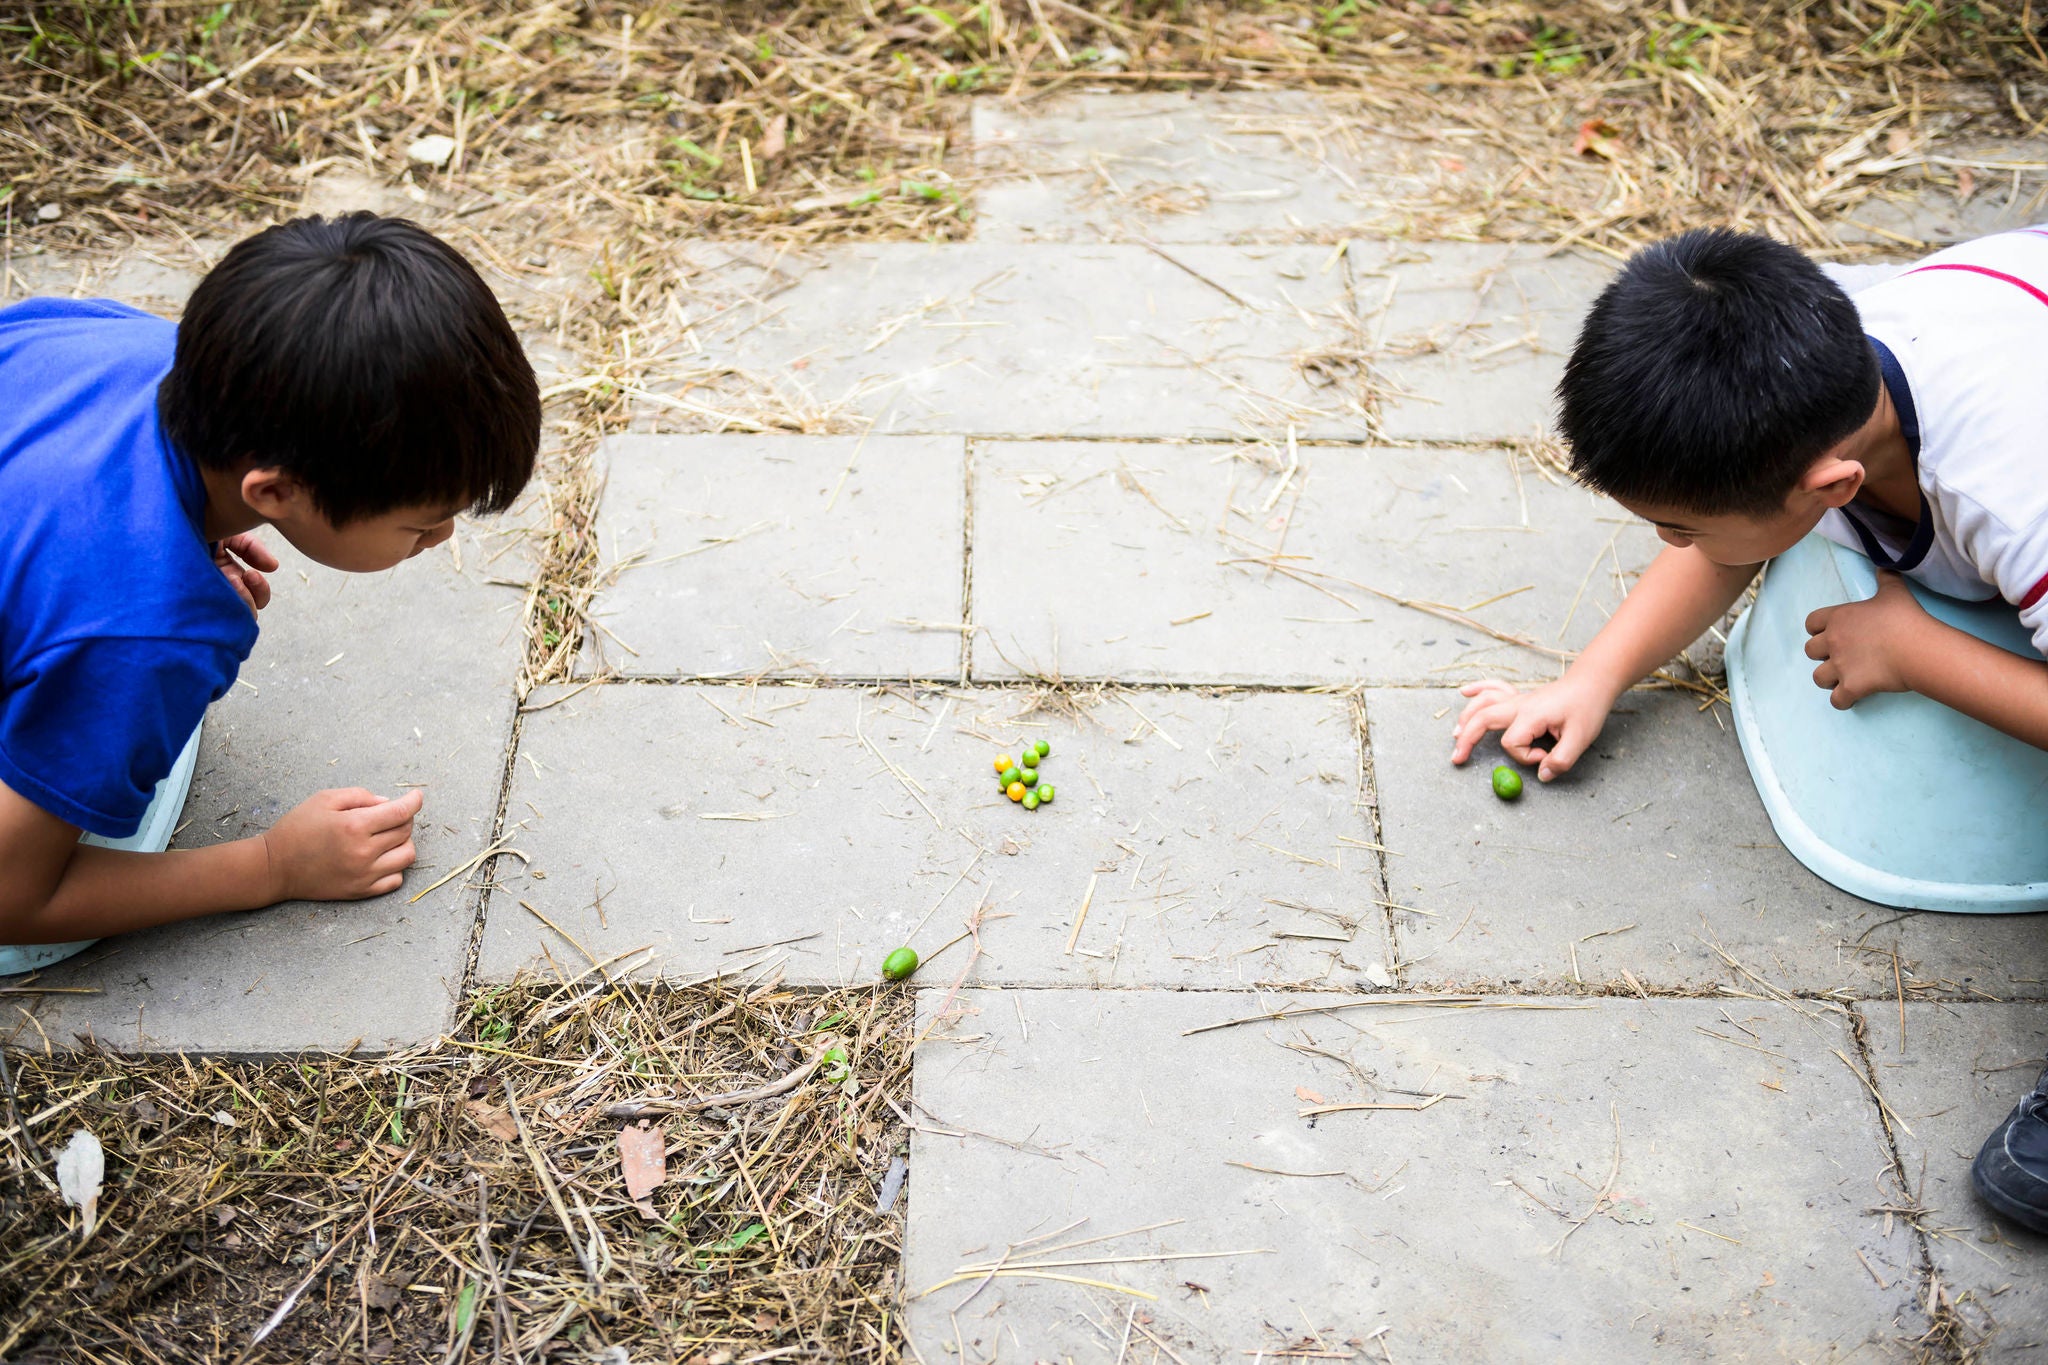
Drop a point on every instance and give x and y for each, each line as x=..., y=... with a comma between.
x=1964, y=333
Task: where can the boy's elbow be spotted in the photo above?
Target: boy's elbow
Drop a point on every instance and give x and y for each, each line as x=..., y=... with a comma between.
x=35, y=850
x=24, y=909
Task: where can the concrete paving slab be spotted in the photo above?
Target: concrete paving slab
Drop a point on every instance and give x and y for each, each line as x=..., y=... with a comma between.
x=1210, y=167
x=151, y=283
x=1978, y=186
x=1009, y=339
x=781, y=556
x=1961, y=1070
x=731, y=827
x=1472, y=338
x=1659, y=827
x=383, y=682
x=1106, y=560
x=1736, y=1180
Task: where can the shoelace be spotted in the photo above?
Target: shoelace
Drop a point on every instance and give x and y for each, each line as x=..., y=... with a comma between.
x=2035, y=1105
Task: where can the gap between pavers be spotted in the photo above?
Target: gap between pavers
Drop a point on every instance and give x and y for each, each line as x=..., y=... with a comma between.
x=1250, y=564
x=748, y=556
x=1960, y=1071
x=385, y=682
x=1735, y=1224
x=1658, y=827
x=753, y=829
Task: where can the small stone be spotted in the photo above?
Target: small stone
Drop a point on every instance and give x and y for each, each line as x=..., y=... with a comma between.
x=432, y=150
x=49, y=213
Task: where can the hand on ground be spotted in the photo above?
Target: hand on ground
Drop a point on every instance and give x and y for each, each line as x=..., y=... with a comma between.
x=1862, y=646
x=244, y=561
x=342, y=845
x=1568, y=712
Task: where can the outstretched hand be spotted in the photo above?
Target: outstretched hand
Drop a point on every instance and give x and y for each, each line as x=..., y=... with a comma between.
x=243, y=561
x=1567, y=712
x=1862, y=646
x=343, y=845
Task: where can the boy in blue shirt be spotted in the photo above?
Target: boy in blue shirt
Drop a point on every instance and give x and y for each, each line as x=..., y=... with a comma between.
x=351, y=382
x=1727, y=391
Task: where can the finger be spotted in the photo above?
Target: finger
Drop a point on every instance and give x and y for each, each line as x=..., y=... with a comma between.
x=384, y=840
x=1519, y=738
x=254, y=551
x=1484, y=686
x=1476, y=725
x=348, y=798
x=384, y=886
x=395, y=814
x=1817, y=621
x=1484, y=701
x=1827, y=676
x=1817, y=647
x=1570, y=745
x=258, y=588
x=1841, y=698
x=396, y=859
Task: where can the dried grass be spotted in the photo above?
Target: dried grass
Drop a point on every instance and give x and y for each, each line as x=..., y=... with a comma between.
x=794, y=122
x=396, y=1195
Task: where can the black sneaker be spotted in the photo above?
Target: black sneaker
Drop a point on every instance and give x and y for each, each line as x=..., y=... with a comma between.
x=2011, y=1171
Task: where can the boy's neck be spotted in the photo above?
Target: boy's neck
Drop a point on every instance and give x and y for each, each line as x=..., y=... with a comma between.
x=1891, y=479
x=226, y=514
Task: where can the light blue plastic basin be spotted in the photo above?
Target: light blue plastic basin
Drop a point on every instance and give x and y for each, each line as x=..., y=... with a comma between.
x=159, y=823
x=1899, y=800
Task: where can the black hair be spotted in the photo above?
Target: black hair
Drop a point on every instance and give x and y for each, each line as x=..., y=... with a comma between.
x=363, y=356
x=1712, y=372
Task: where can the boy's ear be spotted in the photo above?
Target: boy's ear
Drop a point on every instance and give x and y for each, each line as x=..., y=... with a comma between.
x=273, y=494
x=1836, y=482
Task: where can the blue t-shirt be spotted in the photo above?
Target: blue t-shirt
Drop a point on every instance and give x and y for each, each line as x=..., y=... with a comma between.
x=116, y=629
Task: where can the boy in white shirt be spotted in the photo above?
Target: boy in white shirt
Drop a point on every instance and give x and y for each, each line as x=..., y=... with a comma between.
x=1727, y=391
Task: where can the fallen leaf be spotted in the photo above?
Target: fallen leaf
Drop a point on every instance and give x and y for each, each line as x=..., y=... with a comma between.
x=1598, y=137
x=643, y=1161
x=499, y=1123
x=81, y=1168
x=775, y=137
x=1308, y=1096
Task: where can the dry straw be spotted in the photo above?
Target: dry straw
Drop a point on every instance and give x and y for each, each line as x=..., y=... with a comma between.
x=466, y=1200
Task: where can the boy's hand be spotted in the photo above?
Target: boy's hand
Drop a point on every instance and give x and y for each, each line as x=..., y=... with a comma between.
x=342, y=845
x=1569, y=711
x=246, y=572
x=1863, y=646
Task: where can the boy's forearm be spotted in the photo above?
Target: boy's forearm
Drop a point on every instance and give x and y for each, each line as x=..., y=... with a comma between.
x=1678, y=597
x=105, y=891
x=2007, y=691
